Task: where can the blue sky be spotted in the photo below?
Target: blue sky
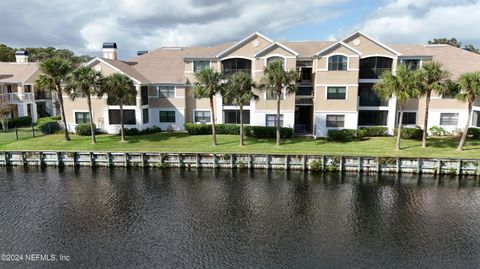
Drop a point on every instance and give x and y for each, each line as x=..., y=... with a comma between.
x=82, y=26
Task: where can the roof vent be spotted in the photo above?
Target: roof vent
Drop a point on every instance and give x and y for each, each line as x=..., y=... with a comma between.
x=141, y=52
x=21, y=56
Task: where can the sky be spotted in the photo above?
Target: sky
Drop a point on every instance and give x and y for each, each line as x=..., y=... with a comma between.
x=84, y=25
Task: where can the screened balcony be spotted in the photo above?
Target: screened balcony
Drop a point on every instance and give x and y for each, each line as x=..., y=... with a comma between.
x=368, y=97
x=374, y=67
x=235, y=65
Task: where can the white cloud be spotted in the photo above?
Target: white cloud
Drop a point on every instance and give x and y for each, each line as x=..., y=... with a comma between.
x=417, y=21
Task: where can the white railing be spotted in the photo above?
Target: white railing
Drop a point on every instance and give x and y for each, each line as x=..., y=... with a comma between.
x=28, y=97
x=10, y=97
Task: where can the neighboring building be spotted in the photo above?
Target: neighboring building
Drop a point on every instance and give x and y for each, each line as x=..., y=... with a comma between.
x=335, y=90
x=17, y=87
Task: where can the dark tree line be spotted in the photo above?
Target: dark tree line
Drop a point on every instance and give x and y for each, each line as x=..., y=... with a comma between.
x=7, y=54
x=454, y=42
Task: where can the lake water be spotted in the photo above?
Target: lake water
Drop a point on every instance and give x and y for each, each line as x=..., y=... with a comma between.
x=134, y=218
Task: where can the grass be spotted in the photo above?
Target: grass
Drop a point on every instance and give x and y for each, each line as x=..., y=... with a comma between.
x=181, y=142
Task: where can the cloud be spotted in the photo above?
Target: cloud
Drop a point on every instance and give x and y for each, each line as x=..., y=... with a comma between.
x=417, y=21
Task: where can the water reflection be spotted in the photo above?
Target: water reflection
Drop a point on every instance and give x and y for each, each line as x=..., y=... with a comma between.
x=221, y=218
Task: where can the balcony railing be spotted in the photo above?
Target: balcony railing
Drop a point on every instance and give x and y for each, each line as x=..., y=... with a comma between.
x=233, y=71
x=39, y=95
x=304, y=91
x=303, y=128
x=304, y=101
x=10, y=97
x=28, y=97
x=372, y=73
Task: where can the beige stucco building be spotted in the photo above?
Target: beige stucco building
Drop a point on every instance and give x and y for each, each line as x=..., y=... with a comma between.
x=335, y=90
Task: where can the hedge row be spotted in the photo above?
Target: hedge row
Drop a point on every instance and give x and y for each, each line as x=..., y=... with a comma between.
x=84, y=129
x=411, y=133
x=18, y=122
x=234, y=129
x=346, y=135
x=375, y=131
x=135, y=131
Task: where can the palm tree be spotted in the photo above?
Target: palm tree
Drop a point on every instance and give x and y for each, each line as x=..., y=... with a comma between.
x=433, y=79
x=470, y=85
x=85, y=81
x=238, y=91
x=209, y=83
x=276, y=80
x=404, y=85
x=54, y=72
x=119, y=89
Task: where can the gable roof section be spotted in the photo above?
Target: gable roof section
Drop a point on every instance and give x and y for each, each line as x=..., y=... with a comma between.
x=374, y=41
x=339, y=43
x=455, y=60
x=276, y=44
x=17, y=72
x=243, y=41
x=122, y=67
x=307, y=49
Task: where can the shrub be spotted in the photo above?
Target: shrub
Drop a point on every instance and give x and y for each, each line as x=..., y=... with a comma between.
x=315, y=165
x=345, y=135
x=474, y=133
x=48, y=125
x=375, y=131
x=84, y=129
x=267, y=132
x=204, y=129
x=437, y=131
x=20, y=122
x=411, y=133
x=135, y=131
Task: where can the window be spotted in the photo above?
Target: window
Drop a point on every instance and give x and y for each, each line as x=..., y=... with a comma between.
x=413, y=64
x=166, y=91
x=167, y=116
x=199, y=65
x=28, y=88
x=128, y=116
x=337, y=93
x=82, y=117
x=409, y=118
x=372, y=117
x=202, y=116
x=368, y=97
x=336, y=121
x=233, y=116
x=448, y=119
x=144, y=92
x=337, y=63
x=276, y=59
x=145, y=115
x=271, y=120
x=272, y=95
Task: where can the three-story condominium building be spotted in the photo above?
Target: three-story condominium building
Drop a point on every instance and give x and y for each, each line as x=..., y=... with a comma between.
x=334, y=92
x=17, y=88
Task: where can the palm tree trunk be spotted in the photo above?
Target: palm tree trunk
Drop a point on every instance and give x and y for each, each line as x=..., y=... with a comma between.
x=92, y=127
x=214, y=129
x=241, y=125
x=66, y=137
x=278, y=117
x=399, y=129
x=465, y=131
x=425, y=120
x=122, y=129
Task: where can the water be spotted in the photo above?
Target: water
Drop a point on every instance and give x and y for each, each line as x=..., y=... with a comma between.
x=222, y=219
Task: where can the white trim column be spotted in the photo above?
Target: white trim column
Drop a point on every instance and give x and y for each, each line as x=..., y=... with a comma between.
x=392, y=113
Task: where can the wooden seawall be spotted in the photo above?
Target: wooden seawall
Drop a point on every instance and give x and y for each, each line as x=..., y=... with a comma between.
x=242, y=161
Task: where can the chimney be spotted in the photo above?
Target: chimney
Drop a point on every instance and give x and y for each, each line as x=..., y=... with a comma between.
x=21, y=56
x=141, y=52
x=109, y=50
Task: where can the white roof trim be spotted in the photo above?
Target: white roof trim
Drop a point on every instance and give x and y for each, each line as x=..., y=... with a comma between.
x=241, y=42
x=373, y=40
x=113, y=67
x=336, y=44
x=278, y=44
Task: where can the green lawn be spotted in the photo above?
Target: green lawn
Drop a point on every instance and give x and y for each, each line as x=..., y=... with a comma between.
x=180, y=142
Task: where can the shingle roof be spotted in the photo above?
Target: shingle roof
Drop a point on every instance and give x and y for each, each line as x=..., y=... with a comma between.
x=307, y=48
x=126, y=68
x=456, y=60
x=17, y=72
